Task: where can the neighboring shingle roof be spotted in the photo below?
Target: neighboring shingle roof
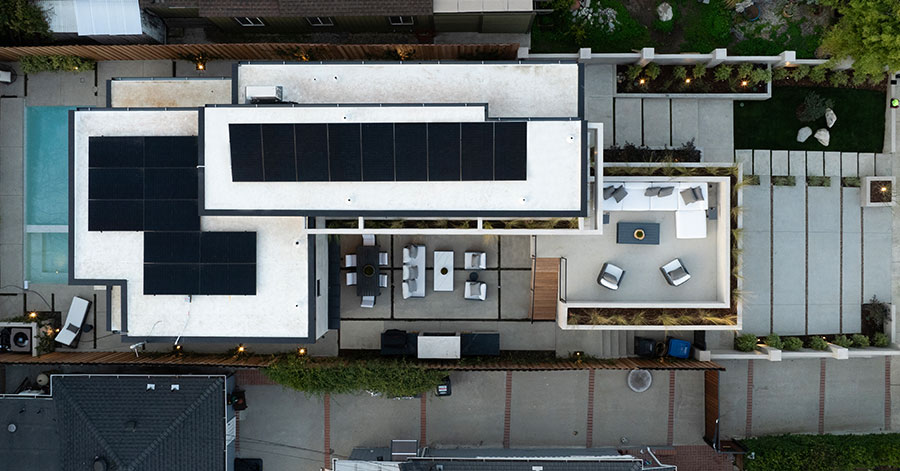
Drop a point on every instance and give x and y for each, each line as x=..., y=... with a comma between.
x=581, y=464
x=138, y=429
x=298, y=8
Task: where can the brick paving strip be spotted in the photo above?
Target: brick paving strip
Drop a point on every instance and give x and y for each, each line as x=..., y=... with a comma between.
x=506, y=416
x=327, y=448
x=822, y=396
x=670, y=434
x=748, y=432
x=887, y=393
x=589, y=441
x=422, y=421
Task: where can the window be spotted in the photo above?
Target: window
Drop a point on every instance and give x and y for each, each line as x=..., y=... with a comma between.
x=249, y=21
x=401, y=20
x=320, y=20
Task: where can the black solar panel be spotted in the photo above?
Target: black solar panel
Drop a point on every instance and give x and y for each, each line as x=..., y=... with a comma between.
x=246, y=153
x=241, y=279
x=116, y=183
x=411, y=151
x=510, y=150
x=214, y=279
x=116, y=151
x=443, y=152
x=312, y=152
x=171, y=215
x=171, y=278
x=344, y=152
x=170, y=183
x=171, y=247
x=477, y=151
x=213, y=247
x=170, y=151
x=116, y=215
x=241, y=247
x=279, y=160
x=379, y=151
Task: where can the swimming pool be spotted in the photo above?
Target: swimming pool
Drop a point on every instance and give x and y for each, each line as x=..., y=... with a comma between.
x=47, y=194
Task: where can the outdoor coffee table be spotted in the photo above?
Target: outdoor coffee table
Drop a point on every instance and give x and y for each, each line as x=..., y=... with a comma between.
x=646, y=233
x=443, y=270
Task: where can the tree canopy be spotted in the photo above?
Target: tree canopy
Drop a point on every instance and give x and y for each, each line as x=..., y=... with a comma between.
x=22, y=22
x=868, y=31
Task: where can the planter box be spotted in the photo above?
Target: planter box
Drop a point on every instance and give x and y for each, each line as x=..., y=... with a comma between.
x=885, y=184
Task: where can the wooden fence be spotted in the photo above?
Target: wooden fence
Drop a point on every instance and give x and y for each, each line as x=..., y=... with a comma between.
x=273, y=51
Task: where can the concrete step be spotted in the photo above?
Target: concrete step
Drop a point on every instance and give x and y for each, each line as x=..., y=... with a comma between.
x=629, y=343
x=605, y=344
x=613, y=344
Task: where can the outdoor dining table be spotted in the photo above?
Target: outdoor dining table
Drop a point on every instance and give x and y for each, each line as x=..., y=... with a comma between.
x=367, y=270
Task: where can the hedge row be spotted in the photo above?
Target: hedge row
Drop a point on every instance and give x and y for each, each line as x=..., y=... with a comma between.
x=823, y=452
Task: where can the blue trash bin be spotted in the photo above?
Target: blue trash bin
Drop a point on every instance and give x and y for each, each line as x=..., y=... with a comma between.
x=679, y=348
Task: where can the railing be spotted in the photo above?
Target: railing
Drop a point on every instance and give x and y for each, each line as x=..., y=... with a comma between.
x=563, y=278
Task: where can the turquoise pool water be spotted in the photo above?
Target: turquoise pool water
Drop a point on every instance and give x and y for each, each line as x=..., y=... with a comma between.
x=46, y=193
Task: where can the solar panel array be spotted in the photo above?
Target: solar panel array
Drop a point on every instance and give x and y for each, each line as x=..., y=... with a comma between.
x=343, y=152
x=150, y=184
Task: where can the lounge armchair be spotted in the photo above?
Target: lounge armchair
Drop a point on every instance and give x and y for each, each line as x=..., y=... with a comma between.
x=68, y=335
x=475, y=261
x=350, y=260
x=675, y=273
x=610, y=276
x=410, y=253
x=476, y=290
x=383, y=280
x=368, y=302
x=351, y=278
x=368, y=239
x=410, y=272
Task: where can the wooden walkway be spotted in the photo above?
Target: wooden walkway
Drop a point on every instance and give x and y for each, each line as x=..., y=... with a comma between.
x=545, y=280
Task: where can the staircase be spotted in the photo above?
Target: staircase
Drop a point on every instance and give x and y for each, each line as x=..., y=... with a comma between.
x=598, y=343
x=616, y=344
x=544, y=288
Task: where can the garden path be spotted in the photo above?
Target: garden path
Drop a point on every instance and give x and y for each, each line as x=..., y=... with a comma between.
x=812, y=255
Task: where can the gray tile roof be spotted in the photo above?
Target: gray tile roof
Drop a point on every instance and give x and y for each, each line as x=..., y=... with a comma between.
x=138, y=429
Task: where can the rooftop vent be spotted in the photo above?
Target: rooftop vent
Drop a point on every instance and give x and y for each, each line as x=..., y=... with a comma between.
x=130, y=426
x=151, y=387
x=176, y=387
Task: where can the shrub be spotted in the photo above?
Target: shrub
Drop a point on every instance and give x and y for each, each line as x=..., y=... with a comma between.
x=880, y=340
x=744, y=69
x=860, y=340
x=709, y=28
x=745, y=343
x=722, y=72
x=813, y=107
x=664, y=26
x=652, y=70
x=35, y=64
x=781, y=73
x=679, y=72
x=774, y=341
x=817, y=343
x=699, y=71
x=818, y=73
x=604, y=26
x=394, y=378
x=842, y=341
x=799, y=73
x=823, y=452
x=838, y=78
x=633, y=72
x=792, y=344
x=760, y=76
x=859, y=78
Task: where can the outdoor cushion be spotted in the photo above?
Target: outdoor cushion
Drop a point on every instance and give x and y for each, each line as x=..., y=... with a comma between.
x=610, y=278
x=652, y=191
x=689, y=196
x=677, y=273
x=698, y=193
x=608, y=191
x=620, y=194
x=666, y=190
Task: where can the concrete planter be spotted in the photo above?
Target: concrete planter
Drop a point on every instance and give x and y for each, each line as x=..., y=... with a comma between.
x=866, y=191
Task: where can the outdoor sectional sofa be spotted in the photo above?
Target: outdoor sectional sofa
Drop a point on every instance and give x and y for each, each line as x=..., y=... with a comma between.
x=689, y=200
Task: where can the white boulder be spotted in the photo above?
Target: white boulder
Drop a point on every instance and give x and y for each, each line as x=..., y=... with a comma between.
x=823, y=136
x=665, y=12
x=830, y=117
x=804, y=133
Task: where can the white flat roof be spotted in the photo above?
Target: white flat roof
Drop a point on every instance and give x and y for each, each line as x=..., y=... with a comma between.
x=510, y=89
x=279, y=308
x=553, y=180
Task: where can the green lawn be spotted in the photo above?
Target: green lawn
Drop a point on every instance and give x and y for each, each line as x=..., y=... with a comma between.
x=773, y=124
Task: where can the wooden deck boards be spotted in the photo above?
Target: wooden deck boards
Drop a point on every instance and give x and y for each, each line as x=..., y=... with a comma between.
x=545, y=280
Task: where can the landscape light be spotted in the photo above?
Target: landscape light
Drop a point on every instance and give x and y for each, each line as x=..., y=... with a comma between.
x=32, y=314
x=883, y=189
x=641, y=81
x=201, y=64
x=241, y=348
x=301, y=351
x=744, y=83
x=687, y=80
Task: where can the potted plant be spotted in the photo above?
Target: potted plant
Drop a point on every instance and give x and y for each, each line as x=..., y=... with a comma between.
x=877, y=191
x=874, y=314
